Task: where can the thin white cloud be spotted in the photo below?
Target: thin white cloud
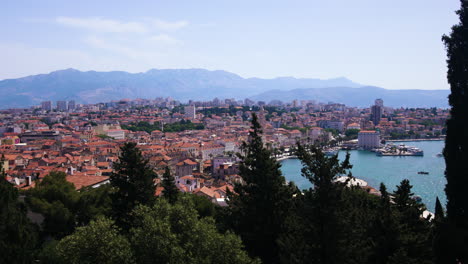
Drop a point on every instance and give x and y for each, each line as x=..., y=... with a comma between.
x=103, y=25
x=166, y=25
x=99, y=24
x=100, y=43
x=142, y=46
x=164, y=39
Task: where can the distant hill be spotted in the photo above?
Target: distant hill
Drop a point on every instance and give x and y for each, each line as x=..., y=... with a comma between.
x=362, y=96
x=185, y=84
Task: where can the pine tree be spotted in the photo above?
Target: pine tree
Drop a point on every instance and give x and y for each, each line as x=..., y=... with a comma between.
x=456, y=143
x=403, y=198
x=133, y=184
x=260, y=205
x=170, y=191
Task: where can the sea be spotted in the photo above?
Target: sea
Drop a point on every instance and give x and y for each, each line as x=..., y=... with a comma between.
x=390, y=170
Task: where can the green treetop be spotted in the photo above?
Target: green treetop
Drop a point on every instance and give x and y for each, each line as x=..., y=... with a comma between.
x=56, y=199
x=98, y=242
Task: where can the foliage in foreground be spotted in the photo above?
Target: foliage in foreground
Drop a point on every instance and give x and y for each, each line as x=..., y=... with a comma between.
x=18, y=236
x=163, y=233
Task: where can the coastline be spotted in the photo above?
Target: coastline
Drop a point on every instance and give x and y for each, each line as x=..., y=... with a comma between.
x=418, y=139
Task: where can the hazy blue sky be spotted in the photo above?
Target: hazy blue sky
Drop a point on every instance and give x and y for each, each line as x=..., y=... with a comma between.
x=393, y=44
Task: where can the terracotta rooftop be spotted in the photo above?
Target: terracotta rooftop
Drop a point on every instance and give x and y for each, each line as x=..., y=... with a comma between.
x=81, y=181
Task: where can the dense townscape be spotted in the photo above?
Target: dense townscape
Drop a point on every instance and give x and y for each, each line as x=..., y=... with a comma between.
x=197, y=141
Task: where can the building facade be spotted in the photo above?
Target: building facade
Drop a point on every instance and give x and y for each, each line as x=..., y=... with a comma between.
x=189, y=111
x=369, y=139
x=46, y=105
x=62, y=105
x=71, y=105
x=377, y=111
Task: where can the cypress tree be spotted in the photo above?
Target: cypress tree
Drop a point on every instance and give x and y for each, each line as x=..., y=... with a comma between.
x=456, y=143
x=439, y=214
x=260, y=205
x=133, y=184
x=170, y=191
x=440, y=246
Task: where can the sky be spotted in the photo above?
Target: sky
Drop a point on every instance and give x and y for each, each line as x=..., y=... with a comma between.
x=392, y=44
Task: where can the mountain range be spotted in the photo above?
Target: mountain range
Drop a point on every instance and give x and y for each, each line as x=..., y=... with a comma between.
x=201, y=84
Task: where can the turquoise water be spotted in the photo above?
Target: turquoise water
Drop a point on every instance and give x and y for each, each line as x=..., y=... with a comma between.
x=391, y=171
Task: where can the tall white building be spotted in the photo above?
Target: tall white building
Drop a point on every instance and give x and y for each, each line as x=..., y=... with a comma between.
x=62, y=105
x=190, y=111
x=369, y=139
x=71, y=105
x=46, y=105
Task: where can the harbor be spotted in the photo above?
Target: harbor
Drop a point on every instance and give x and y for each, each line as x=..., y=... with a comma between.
x=390, y=170
x=399, y=150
